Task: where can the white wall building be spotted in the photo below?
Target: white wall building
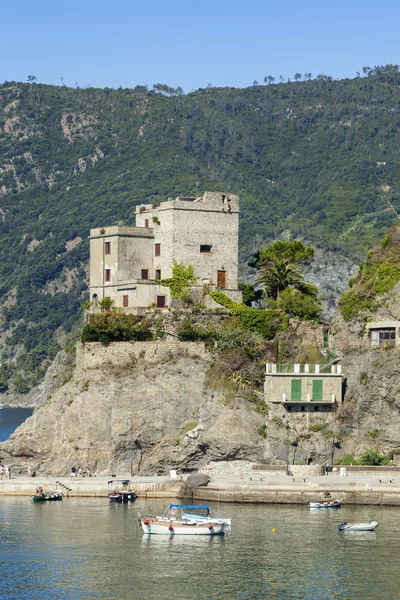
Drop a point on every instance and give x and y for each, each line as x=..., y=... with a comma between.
x=126, y=263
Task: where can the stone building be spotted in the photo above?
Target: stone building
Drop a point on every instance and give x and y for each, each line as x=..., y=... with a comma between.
x=303, y=388
x=127, y=263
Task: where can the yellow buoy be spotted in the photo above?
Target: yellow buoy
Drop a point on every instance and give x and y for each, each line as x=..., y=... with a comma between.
x=273, y=529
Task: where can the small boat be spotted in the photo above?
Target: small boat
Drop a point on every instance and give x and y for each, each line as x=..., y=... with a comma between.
x=370, y=526
x=327, y=503
x=53, y=496
x=176, y=522
x=120, y=490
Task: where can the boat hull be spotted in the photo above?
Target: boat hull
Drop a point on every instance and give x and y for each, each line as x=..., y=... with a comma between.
x=358, y=526
x=123, y=498
x=332, y=504
x=172, y=528
x=47, y=497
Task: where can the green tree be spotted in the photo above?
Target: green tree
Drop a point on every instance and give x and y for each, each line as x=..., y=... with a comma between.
x=250, y=294
x=277, y=275
x=300, y=305
x=183, y=276
x=106, y=304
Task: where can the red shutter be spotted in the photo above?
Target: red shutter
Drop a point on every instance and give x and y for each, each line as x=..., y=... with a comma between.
x=125, y=301
x=157, y=249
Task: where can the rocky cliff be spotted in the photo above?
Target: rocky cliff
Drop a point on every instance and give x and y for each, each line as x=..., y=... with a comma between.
x=163, y=415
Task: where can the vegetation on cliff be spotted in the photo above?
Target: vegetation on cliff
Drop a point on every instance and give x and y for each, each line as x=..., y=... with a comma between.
x=316, y=159
x=377, y=276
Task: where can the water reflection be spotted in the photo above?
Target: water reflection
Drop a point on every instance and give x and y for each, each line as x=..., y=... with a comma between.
x=87, y=548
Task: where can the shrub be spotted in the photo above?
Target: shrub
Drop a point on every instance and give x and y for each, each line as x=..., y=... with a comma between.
x=224, y=300
x=299, y=305
x=189, y=332
x=262, y=430
x=373, y=457
x=317, y=427
x=374, y=433
x=115, y=326
x=363, y=378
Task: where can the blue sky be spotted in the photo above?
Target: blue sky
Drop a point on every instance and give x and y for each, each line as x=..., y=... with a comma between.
x=191, y=44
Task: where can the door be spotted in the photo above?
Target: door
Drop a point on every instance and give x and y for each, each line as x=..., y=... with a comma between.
x=296, y=389
x=221, y=281
x=317, y=390
x=160, y=301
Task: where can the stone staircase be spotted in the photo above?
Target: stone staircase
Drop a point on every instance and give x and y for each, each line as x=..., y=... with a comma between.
x=63, y=487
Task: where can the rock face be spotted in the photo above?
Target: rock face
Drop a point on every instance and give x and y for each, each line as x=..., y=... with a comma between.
x=160, y=416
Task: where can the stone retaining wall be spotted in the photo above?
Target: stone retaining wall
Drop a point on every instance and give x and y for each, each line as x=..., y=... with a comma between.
x=94, y=355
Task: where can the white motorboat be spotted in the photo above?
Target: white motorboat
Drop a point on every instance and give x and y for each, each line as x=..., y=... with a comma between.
x=176, y=522
x=370, y=526
x=327, y=503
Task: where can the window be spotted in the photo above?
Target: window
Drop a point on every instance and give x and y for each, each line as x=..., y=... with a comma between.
x=107, y=248
x=160, y=301
x=145, y=273
x=205, y=248
x=125, y=301
x=146, y=222
x=158, y=274
x=383, y=337
x=221, y=281
x=95, y=301
x=107, y=275
x=157, y=249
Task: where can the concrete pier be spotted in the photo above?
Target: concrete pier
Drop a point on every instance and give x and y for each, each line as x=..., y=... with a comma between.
x=249, y=487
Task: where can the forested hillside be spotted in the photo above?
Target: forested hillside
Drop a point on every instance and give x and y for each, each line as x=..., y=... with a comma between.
x=318, y=159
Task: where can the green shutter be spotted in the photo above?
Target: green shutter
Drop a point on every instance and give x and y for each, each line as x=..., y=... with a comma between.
x=317, y=390
x=296, y=389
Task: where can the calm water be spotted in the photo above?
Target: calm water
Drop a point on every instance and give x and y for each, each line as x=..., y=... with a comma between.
x=10, y=419
x=87, y=548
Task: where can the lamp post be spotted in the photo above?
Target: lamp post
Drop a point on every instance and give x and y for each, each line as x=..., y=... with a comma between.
x=286, y=422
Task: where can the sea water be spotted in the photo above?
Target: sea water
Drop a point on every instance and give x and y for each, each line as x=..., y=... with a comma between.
x=10, y=419
x=89, y=548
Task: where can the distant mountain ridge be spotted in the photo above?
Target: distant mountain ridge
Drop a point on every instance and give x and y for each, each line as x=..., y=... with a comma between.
x=315, y=159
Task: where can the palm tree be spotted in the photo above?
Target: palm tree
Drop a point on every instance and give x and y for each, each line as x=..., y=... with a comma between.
x=278, y=274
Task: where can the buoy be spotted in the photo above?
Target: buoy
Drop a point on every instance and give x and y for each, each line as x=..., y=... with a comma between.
x=273, y=529
x=210, y=527
x=170, y=528
x=146, y=521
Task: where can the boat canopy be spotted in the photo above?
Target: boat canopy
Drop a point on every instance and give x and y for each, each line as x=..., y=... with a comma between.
x=119, y=481
x=191, y=506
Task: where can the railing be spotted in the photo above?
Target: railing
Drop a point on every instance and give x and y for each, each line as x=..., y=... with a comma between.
x=326, y=398
x=302, y=369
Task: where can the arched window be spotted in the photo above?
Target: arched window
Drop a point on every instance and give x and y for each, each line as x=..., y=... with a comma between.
x=95, y=301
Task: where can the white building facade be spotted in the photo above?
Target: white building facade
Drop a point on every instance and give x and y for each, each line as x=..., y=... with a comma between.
x=127, y=263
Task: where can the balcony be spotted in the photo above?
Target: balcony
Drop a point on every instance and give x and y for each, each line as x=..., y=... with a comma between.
x=326, y=399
